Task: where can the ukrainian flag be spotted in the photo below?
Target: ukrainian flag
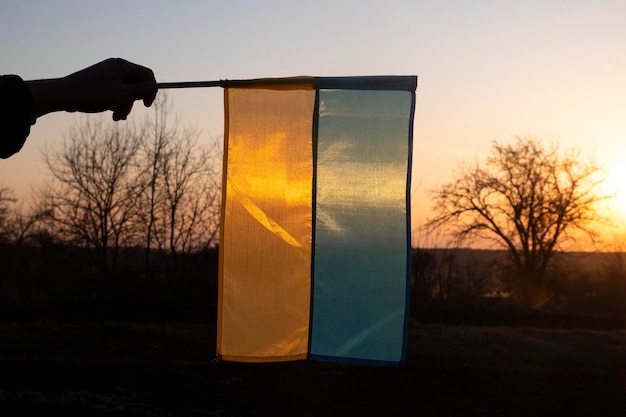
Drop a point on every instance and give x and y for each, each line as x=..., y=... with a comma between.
x=315, y=232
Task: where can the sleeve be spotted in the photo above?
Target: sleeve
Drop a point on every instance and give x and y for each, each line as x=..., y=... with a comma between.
x=17, y=114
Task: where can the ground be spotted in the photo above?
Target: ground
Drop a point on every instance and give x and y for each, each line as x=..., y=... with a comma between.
x=60, y=367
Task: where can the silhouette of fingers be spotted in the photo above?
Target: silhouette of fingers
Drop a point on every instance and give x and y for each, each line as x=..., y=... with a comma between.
x=122, y=111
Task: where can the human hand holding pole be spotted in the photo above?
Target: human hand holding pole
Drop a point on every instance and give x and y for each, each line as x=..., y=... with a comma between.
x=113, y=84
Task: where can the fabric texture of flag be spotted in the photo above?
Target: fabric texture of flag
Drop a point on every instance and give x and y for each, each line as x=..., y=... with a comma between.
x=315, y=233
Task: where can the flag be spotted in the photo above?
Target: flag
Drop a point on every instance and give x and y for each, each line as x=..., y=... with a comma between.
x=315, y=232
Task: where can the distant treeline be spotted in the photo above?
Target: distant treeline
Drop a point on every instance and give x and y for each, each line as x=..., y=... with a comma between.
x=447, y=285
x=55, y=277
x=580, y=283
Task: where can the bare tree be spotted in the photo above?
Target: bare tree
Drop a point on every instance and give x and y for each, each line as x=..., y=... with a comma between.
x=94, y=186
x=7, y=200
x=118, y=186
x=18, y=222
x=159, y=134
x=180, y=202
x=527, y=198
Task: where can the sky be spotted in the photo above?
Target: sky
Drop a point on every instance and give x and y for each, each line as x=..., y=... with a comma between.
x=487, y=69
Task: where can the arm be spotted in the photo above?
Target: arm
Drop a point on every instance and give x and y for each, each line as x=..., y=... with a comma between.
x=16, y=114
x=113, y=84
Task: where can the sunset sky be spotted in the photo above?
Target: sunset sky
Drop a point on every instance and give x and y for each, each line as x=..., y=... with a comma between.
x=488, y=69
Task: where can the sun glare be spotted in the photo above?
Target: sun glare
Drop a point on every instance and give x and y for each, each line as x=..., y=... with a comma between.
x=616, y=186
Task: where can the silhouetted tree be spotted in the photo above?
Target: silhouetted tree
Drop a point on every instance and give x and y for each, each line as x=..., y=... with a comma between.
x=94, y=188
x=159, y=133
x=180, y=202
x=117, y=186
x=7, y=199
x=528, y=199
x=18, y=222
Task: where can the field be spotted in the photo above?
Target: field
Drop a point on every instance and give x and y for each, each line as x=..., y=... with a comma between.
x=141, y=367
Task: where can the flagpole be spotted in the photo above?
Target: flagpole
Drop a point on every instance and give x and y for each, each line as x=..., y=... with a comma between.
x=376, y=82
x=190, y=84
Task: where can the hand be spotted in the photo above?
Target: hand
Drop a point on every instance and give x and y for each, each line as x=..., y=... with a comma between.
x=113, y=84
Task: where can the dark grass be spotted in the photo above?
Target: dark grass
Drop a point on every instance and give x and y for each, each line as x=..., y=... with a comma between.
x=145, y=350
x=167, y=368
